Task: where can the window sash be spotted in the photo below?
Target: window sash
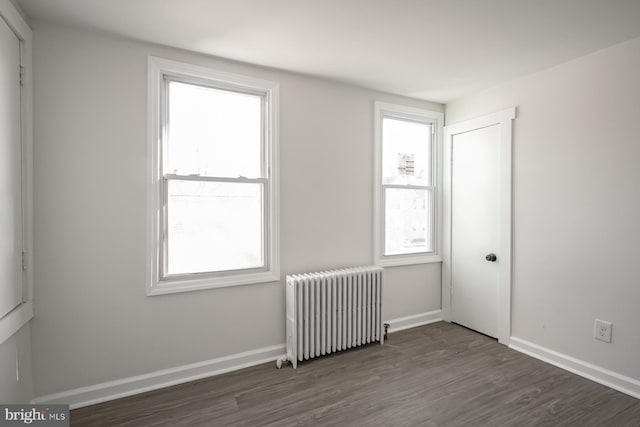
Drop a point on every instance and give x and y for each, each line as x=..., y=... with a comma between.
x=164, y=224
x=222, y=86
x=411, y=119
x=430, y=220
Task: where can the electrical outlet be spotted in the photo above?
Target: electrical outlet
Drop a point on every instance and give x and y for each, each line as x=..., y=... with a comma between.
x=602, y=330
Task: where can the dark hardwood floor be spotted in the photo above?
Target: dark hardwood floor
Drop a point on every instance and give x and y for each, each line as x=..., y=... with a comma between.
x=436, y=375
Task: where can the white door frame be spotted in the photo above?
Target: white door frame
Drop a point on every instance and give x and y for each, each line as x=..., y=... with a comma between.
x=504, y=120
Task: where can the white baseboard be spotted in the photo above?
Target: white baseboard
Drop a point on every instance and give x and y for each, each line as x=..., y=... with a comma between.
x=595, y=373
x=414, y=320
x=103, y=392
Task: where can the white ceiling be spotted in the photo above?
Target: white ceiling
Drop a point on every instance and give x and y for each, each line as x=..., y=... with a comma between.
x=432, y=49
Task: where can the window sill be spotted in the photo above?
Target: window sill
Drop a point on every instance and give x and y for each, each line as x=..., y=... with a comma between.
x=176, y=286
x=408, y=260
x=15, y=319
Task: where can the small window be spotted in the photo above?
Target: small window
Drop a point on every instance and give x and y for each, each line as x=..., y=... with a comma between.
x=406, y=185
x=214, y=216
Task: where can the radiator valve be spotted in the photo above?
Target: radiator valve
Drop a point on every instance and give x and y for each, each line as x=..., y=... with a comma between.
x=281, y=360
x=386, y=330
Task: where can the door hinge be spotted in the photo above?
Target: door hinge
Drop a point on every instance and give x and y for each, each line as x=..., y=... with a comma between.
x=21, y=75
x=24, y=262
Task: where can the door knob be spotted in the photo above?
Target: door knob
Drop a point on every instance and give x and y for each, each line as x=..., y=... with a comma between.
x=491, y=257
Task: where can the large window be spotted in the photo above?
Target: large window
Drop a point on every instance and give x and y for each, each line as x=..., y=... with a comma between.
x=406, y=185
x=214, y=217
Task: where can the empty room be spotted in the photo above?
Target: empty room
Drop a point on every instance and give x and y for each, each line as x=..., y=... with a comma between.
x=300, y=213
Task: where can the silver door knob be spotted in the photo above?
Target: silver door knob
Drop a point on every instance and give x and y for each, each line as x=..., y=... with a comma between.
x=491, y=257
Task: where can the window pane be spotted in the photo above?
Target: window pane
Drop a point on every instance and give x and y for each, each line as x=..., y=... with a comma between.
x=407, y=221
x=214, y=226
x=213, y=132
x=406, y=152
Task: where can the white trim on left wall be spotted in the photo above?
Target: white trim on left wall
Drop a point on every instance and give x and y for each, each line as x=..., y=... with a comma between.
x=111, y=390
x=16, y=319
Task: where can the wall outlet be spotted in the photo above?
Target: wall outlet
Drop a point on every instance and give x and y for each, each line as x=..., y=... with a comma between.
x=602, y=330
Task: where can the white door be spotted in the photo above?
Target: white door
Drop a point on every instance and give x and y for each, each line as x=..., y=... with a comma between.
x=476, y=269
x=475, y=187
x=10, y=172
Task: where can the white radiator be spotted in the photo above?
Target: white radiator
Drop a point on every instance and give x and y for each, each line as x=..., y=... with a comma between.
x=332, y=311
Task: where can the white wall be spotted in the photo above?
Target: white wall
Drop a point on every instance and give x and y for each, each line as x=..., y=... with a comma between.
x=93, y=321
x=15, y=368
x=576, y=198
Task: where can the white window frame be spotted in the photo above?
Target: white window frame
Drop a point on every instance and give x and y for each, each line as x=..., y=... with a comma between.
x=13, y=321
x=159, y=70
x=382, y=110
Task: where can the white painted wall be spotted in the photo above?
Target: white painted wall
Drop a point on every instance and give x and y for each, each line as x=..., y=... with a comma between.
x=15, y=368
x=93, y=321
x=576, y=203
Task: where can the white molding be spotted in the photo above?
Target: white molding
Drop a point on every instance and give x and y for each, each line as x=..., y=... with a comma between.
x=408, y=260
x=414, y=320
x=13, y=17
x=378, y=213
x=157, y=69
x=17, y=318
x=177, y=286
x=504, y=119
x=110, y=390
x=587, y=370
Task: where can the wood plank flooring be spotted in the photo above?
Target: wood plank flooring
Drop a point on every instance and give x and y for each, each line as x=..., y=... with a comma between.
x=436, y=375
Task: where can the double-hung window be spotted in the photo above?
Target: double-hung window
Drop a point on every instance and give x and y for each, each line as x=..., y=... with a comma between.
x=213, y=184
x=406, y=185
